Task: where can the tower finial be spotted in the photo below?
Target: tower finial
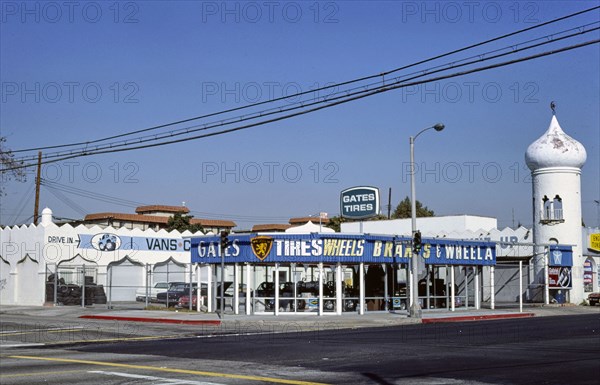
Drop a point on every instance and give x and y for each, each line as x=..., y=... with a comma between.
x=553, y=107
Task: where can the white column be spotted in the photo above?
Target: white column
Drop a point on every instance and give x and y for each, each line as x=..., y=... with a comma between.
x=236, y=286
x=477, y=283
x=493, y=291
x=276, y=306
x=320, y=288
x=546, y=286
x=520, y=286
x=209, y=288
x=452, y=293
x=248, y=289
x=361, y=293
x=466, y=288
x=198, y=288
x=338, y=288
x=411, y=288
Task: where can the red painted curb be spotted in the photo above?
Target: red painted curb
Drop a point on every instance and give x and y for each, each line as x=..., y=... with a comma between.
x=153, y=320
x=476, y=318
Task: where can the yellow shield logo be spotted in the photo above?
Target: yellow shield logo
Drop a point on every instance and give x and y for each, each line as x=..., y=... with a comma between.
x=261, y=246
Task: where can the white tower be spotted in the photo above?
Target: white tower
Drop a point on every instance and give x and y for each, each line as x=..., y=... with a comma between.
x=555, y=161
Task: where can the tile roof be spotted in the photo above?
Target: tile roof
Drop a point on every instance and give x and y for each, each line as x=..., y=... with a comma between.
x=156, y=219
x=212, y=222
x=271, y=227
x=303, y=220
x=127, y=217
x=162, y=208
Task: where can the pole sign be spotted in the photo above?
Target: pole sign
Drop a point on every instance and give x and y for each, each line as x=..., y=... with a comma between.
x=359, y=202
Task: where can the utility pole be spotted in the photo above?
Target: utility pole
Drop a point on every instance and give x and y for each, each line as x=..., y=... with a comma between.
x=390, y=203
x=36, y=208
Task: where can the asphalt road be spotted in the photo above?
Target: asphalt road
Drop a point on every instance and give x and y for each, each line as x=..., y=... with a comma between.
x=544, y=350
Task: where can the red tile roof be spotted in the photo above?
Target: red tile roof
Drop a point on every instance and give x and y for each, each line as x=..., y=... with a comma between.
x=156, y=219
x=162, y=208
x=127, y=217
x=271, y=227
x=303, y=220
x=212, y=222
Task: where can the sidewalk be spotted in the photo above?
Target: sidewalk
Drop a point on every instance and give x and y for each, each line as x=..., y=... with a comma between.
x=346, y=320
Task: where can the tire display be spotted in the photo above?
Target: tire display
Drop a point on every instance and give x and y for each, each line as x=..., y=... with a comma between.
x=70, y=294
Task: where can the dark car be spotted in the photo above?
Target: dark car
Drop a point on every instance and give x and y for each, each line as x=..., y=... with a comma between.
x=594, y=299
x=176, y=291
x=184, y=300
x=266, y=290
x=349, y=294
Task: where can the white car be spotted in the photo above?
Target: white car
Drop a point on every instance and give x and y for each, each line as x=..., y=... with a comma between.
x=140, y=294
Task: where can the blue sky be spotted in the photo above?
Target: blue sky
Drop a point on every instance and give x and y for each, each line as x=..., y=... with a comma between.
x=89, y=70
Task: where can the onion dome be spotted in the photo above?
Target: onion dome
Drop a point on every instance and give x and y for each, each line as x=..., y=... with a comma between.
x=46, y=216
x=555, y=149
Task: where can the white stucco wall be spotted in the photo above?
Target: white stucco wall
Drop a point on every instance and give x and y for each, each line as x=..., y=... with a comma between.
x=428, y=225
x=566, y=183
x=48, y=244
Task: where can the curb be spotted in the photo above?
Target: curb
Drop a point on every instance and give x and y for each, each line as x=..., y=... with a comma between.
x=152, y=320
x=476, y=318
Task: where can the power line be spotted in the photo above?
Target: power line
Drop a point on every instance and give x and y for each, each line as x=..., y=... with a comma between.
x=337, y=101
x=123, y=202
x=382, y=75
x=511, y=49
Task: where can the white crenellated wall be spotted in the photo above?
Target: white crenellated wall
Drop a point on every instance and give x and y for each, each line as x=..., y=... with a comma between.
x=29, y=253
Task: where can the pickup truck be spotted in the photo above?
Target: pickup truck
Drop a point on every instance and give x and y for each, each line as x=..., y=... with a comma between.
x=140, y=294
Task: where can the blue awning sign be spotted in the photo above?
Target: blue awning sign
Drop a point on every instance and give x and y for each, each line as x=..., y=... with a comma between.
x=315, y=248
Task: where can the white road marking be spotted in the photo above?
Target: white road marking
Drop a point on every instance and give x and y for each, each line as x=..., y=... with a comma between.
x=2, y=346
x=27, y=331
x=163, y=381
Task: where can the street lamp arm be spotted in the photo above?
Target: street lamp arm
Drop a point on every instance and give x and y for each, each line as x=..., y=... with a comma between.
x=437, y=127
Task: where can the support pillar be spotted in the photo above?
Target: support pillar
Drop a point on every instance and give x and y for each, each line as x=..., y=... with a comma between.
x=520, y=286
x=209, y=289
x=248, y=289
x=477, y=287
x=320, y=288
x=493, y=289
x=452, y=293
x=338, y=289
x=361, y=294
x=276, y=306
x=236, y=290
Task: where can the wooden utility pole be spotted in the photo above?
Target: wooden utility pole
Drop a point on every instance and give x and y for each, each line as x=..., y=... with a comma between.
x=36, y=207
x=390, y=203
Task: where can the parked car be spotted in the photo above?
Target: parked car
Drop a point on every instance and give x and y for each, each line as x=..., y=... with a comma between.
x=140, y=294
x=266, y=290
x=286, y=289
x=184, y=300
x=176, y=291
x=349, y=294
x=594, y=299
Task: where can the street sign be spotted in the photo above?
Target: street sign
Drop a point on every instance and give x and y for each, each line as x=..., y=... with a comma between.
x=359, y=202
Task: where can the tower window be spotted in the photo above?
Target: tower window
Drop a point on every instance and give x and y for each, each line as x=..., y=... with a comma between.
x=552, y=209
x=547, y=203
x=558, y=207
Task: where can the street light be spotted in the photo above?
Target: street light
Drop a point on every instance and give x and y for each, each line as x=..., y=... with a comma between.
x=415, y=308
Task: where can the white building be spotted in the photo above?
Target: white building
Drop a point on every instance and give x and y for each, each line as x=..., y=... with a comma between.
x=125, y=259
